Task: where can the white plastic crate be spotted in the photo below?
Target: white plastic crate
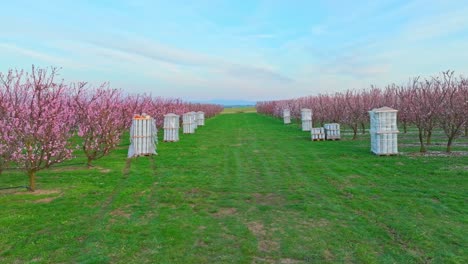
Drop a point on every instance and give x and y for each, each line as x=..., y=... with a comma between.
x=287, y=116
x=171, y=127
x=200, y=118
x=317, y=133
x=384, y=131
x=384, y=144
x=143, y=136
x=193, y=116
x=306, y=125
x=306, y=117
x=187, y=123
x=332, y=131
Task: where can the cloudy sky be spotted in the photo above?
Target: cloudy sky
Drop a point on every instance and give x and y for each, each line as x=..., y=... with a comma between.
x=237, y=50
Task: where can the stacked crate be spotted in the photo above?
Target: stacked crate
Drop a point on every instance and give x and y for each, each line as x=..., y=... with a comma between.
x=143, y=136
x=200, y=118
x=306, y=117
x=317, y=133
x=187, y=123
x=384, y=131
x=171, y=127
x=287, y=116
x=332, y=131
x=193, y=116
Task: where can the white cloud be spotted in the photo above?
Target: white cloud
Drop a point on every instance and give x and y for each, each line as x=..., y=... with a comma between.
x=35, y=56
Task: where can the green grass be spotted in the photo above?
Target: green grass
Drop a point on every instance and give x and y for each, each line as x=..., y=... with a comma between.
x=239, y=110
x=244, y=189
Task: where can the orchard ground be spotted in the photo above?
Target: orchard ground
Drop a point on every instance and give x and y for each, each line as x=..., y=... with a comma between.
x=244, y=189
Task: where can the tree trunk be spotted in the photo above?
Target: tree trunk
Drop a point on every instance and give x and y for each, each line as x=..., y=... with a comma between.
x=421, y=141
x=405, y=127
x=32, y=181
x=363, y=128
x=449, y=144
x=355, y=131
x=88, y=163
x=429, y=135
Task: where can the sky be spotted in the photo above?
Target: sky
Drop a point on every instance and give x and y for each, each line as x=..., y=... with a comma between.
x=236, y=50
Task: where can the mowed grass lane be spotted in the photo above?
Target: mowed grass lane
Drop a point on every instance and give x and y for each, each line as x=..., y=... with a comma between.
x=244, y=189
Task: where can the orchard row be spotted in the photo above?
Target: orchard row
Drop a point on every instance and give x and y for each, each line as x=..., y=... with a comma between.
x=439, y=101
x=39, y=116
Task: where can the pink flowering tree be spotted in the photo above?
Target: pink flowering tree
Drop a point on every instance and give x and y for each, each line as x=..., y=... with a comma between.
x=398, y=97
x=370, y=99
x=424, y=101
x=454, y=110
x=352, y=101
x=37, y=121
x=6, y=136
x=100, y=120
x=134, y=104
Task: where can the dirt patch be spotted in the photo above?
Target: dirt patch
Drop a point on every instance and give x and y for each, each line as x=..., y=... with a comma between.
x=100, y=169
x=149, y=215
x=268, y=245
x=39, y=192
x=223, y=212
x=348, y=195
x=67, y=168
x=443, y=144
x=263, y=260
x=290, y=261
x=275, y=261
x=314, y=223
x=121, y=213
x=265, y=244
x=193, y=191
x=328, y=255
x=45, y=200
x=268, y=199
x=439, y=154
x=256, y=228
x=196, y=193
x=201, y=243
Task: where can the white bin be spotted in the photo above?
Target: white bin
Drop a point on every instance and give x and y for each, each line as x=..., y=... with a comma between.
x=143, y=136
x=188, y=120
x=200, y=118
x=287, y=116
x=171, y=127
x=384, y=131
x=332, y=131
x=306, y=117
x=317, y=133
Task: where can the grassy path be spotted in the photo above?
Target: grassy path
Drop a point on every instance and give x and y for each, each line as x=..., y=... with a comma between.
x=244, y=189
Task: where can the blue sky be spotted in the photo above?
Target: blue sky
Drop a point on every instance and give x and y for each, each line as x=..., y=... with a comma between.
x=236, y=50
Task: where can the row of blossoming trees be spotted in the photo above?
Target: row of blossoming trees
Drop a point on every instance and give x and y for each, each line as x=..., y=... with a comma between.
x=40, y=115
x=440, y=101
